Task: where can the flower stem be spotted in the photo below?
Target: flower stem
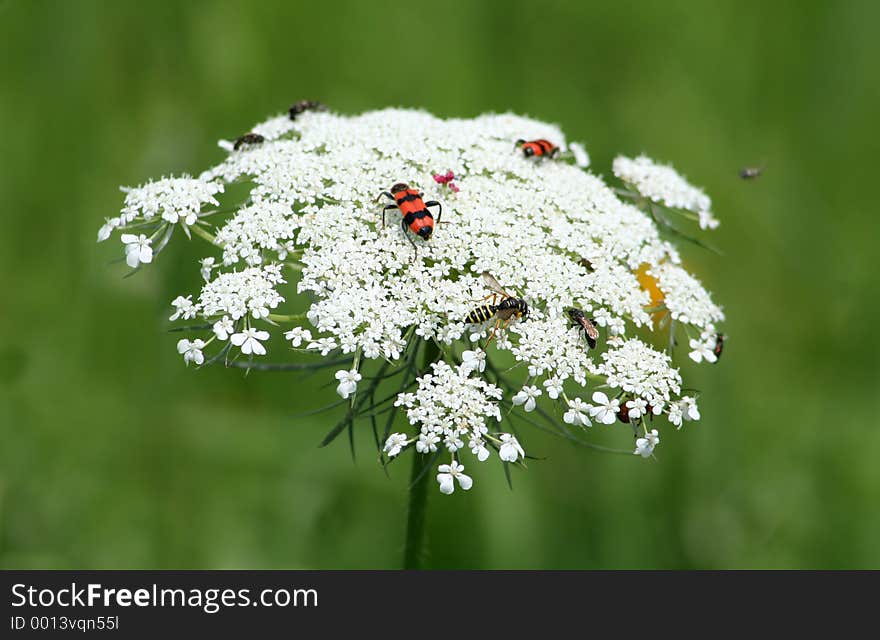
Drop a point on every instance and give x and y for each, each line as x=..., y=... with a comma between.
x=415, y=518
x=293, y=317
x=203, y=233
x=418, y=488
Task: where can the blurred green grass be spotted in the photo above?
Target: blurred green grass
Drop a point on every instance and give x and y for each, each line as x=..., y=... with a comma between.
x=116, y=456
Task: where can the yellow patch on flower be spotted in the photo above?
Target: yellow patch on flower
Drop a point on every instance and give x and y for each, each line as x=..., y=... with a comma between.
x=650, y=284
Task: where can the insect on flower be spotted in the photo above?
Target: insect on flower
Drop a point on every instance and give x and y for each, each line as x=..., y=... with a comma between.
x=415, y=212
x=719, y=346
x=504, y=311
x=587, y=264
x=538, y=148
x=305, y=105
x=248, y=139
x=298, y=199
x=591, y=332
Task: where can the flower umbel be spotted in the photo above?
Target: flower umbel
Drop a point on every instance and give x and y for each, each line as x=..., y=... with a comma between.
x=305, y=255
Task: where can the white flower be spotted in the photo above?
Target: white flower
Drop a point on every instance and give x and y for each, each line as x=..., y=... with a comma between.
x=183, y=308
x=689, y=408
x=174, y=199
x=527, y=396
x=238, y=293
x=566, y=240
x=451, y=471
x=137, y=249
x=581, y=158
x=107, y=229
x=394, y=444
x=605, y=410
x=641, y=370
x=250, y=341
x=365, y=286
x=645, y=446
x=450, y=403
x=662, y=184
x=427, y=442
x=297, y=335
x=324, y=345
x=554, y=388
x=479, y=449
x=577, y=413
x=474, y=360
x=207, y=265
x=708, y=221
x=191, y=351
x=636, y=408
x=510, y=448
x=685, y=297
x=223, y=328
x=452, y=442
x=675, y=414
x=347, y=382
x=702, y=350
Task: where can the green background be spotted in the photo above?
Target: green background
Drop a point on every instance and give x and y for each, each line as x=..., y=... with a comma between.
x=115, y=455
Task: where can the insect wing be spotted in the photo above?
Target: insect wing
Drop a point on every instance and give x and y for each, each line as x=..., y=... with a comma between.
x=591, y=331
x=493, y=285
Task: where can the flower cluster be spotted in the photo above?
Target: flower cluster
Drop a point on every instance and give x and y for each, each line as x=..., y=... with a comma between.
x=685, y=298
x=238, y=293
x=450, y=408
x=172, y=200
x=311, y=234
x=664, y=185
x=638, y=369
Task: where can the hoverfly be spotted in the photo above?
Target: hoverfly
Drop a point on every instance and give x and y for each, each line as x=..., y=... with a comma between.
x=591, y=332
x=504, y=307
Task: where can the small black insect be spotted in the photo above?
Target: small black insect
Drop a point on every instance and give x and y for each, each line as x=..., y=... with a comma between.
x=248, y=139
x=719, y=346
x=305, y=105
x=586, y=264
x=591, y=332
x=748, y=173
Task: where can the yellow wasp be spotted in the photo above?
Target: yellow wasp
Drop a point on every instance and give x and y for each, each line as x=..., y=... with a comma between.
x=503, y=307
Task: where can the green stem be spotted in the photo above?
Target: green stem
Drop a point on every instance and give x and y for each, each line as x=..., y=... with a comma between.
x=418, y=488
x=203, y=233
x=293, y=317
x=415, y=518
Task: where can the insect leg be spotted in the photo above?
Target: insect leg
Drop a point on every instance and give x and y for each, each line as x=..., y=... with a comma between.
x=499, y=324
x=386, y=194
x=390, y=206
x=492, y=334
x=405, y=230
x=434, y=203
